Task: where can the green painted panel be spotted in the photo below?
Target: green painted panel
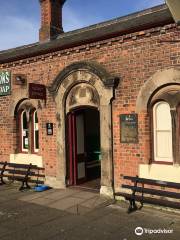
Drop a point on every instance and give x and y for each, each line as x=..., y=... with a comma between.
x=5, y=83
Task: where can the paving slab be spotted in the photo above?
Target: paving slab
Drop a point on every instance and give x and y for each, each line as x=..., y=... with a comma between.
x=66, y=203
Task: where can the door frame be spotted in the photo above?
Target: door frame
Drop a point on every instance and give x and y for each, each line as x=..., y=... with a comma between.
x=71, y=153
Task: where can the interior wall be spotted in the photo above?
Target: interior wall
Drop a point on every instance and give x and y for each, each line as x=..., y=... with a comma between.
x=92, y=125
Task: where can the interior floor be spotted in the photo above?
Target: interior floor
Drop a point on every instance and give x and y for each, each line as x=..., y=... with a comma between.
x=91, y=185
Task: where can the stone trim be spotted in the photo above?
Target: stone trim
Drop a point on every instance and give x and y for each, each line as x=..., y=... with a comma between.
x=158, y=80
x=92, y=67
x=63, y=87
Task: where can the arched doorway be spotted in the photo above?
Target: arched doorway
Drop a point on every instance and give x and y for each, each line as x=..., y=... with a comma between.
x=85, y=84
x=83, y=147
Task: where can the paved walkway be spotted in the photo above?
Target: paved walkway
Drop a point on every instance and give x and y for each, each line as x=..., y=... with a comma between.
x=74, y=214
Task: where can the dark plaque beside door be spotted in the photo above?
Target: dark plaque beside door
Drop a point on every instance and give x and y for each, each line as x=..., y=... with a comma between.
x=129, y=128
x=49, y=128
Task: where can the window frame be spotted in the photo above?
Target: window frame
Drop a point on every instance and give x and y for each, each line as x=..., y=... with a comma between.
x=31, y=132
x=169, y=94
x=155, y=159
x=21, y=134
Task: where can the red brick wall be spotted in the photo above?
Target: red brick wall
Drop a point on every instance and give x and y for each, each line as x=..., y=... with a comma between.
x=51, y=19
x=134, y=58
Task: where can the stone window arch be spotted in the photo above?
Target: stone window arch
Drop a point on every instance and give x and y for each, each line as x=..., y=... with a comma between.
x=164, y=111
x=27, y=127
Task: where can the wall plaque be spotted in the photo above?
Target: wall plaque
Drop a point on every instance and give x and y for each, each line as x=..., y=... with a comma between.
x=5, y=83
x=49, y=128
x=129, y=128
x=37, y=91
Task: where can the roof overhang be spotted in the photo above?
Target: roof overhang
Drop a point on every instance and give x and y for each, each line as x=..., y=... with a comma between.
x=174, y=7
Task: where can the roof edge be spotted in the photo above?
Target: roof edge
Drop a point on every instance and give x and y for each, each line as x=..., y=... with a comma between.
x=65, y=41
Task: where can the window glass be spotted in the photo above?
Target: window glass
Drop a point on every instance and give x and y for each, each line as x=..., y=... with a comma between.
x=162, y=132
x=25, y=132
x=36, y=132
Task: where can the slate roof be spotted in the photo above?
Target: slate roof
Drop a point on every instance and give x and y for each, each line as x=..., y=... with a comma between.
x=152, y=17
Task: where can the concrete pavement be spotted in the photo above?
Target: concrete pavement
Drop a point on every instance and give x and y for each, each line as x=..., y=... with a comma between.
x=75, y=214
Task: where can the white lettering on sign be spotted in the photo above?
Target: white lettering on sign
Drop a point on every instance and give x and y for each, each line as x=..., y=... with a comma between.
x=4, y=89
x=4, y=78
x=5, y=83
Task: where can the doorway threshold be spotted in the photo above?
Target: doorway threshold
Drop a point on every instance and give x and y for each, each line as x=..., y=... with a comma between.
x=93, y=185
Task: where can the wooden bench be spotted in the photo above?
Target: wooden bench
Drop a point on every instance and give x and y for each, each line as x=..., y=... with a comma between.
x=25, y=173
x=142, y=186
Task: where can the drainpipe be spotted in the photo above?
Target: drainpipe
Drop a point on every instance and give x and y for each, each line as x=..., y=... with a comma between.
x=116, y=81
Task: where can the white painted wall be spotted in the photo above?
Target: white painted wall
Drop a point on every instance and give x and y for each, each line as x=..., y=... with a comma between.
x=26, y=159
x=170, y=173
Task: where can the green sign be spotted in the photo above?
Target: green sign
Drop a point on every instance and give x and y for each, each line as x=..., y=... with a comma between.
x=5, y=83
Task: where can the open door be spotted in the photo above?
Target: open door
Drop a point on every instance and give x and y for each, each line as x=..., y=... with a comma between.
x=76, y=148
x=71, y=150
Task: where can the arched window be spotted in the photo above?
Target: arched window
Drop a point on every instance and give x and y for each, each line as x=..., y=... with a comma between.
x=28, y=131
x=162, y=130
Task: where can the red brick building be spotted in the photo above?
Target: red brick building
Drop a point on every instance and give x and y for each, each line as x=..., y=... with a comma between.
x=112, y=104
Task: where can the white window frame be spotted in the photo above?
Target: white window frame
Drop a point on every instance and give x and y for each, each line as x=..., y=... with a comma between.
x=35, y=128
x=155, y=130
x=22, y=134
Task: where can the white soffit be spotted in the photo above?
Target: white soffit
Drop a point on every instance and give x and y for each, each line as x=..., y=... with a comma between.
x=174, y=7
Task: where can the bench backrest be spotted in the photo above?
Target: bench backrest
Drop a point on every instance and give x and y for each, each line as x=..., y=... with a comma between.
x=153, y=182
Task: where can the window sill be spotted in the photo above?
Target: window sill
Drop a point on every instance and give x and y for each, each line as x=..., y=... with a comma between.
x=162, y=162
x=24, y=152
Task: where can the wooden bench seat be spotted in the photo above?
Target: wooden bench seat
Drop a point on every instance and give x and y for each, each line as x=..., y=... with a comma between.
x=148, y=194
x=25, y=173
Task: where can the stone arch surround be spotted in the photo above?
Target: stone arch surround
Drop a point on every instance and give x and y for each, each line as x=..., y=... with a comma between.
x=159, y=86
x=82, y=94
x=158, y=80
x=89, y=76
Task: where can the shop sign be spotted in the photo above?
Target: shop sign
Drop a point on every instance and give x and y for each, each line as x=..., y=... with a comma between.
x=129, y=128
x=5, y=83
x=37, y=91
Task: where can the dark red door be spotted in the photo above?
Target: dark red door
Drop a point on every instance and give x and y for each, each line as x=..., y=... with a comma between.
x=72, y=152
x=76, y=148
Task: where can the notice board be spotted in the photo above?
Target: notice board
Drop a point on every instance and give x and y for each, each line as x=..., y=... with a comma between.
x=129, y=128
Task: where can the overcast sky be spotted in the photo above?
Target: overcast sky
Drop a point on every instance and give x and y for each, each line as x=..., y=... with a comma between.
x=20, y=19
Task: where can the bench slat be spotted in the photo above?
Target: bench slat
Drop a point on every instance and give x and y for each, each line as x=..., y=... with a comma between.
x=37, y=175
x=14, y=171
x=34, y=167
x=16, y=177
x=153, y=182
x=153, y=191
x=17, y=165
x=35, y=181
x=149, y=200
x=20, y=178
x=2, y=163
